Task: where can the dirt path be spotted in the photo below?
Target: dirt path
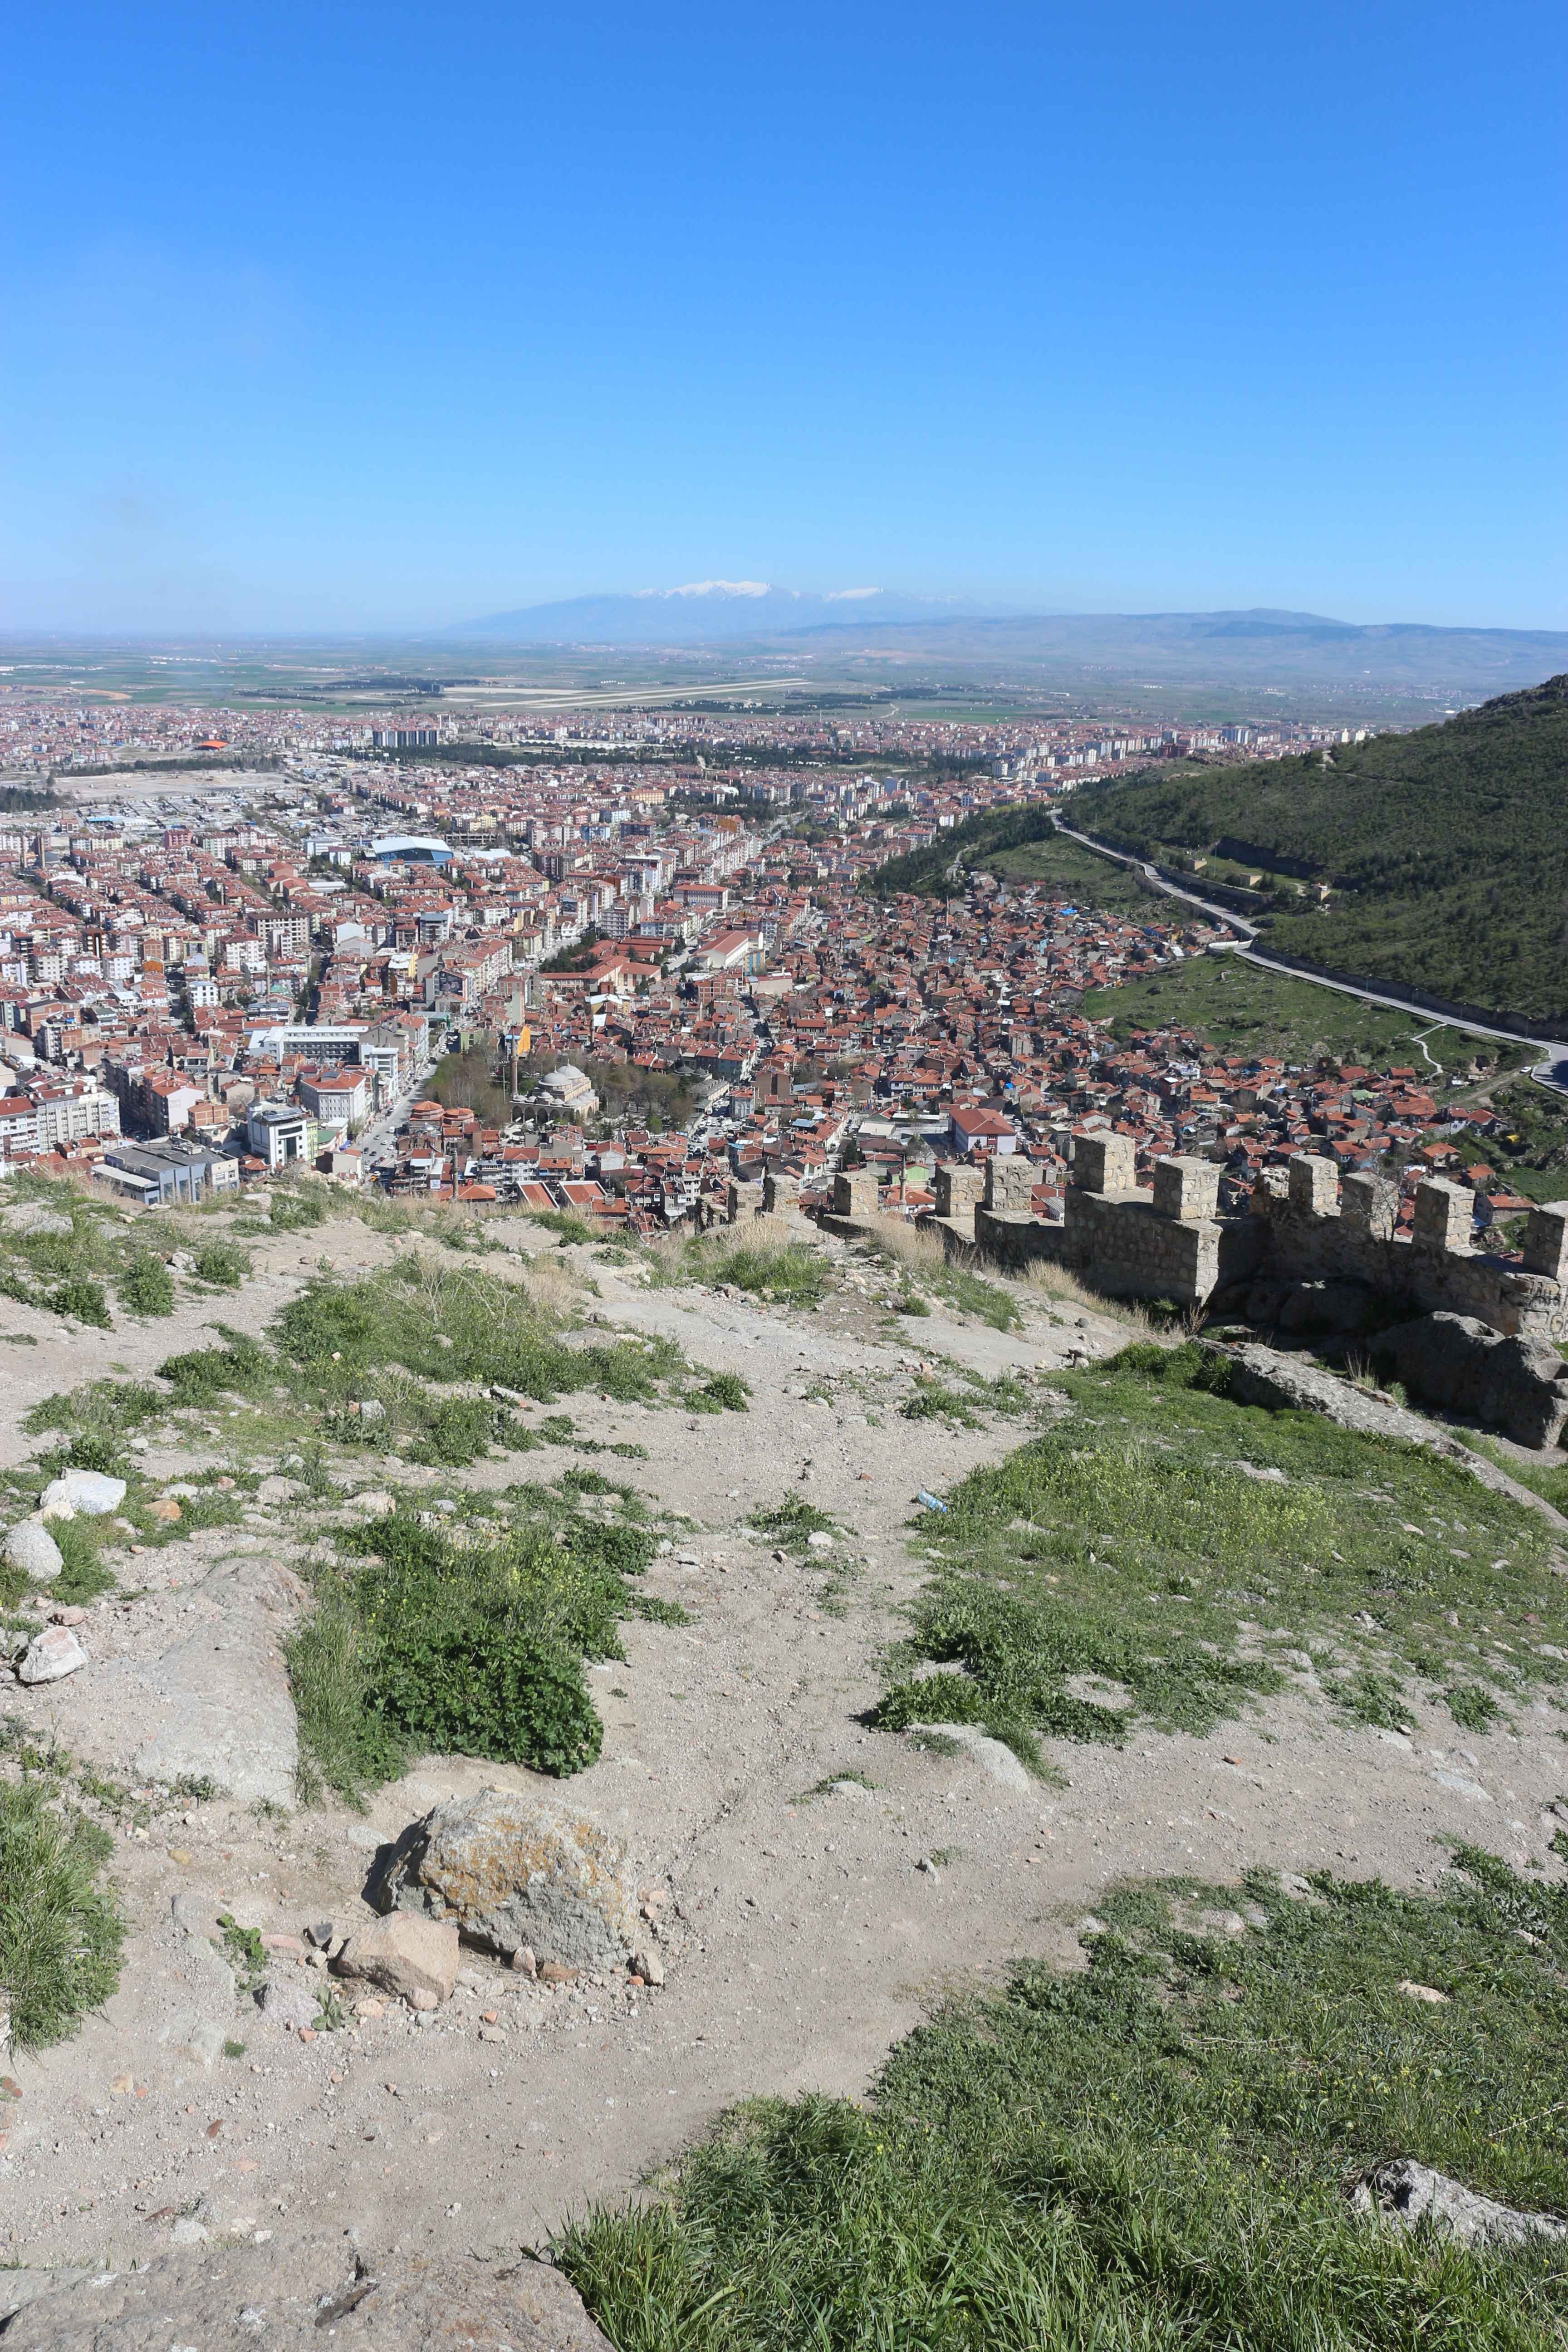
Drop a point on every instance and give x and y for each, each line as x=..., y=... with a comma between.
x=806, y=1927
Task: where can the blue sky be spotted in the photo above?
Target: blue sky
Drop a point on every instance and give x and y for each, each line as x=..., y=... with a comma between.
x=341, y=317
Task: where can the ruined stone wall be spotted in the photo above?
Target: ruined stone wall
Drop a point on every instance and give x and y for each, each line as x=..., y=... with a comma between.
x=1169, y=1243
x=1316, y=1233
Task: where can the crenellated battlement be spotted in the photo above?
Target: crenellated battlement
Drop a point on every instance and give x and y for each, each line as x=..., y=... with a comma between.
x=1306, y=1226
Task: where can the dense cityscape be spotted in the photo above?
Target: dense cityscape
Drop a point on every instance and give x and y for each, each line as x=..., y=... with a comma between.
x=651, y=928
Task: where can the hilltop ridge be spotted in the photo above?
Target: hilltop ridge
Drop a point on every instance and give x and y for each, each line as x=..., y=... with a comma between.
x=1441, y=854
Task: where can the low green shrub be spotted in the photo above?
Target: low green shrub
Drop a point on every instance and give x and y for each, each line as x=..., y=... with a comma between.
x=147, y=1286
x=458, y=1431
x=472, y=1648
x=223, y=1264
x=86, y=1299
x=202, y=1375
x=791, y=1523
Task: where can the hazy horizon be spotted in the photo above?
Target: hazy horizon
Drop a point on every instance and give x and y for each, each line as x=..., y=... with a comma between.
x=1053, y=312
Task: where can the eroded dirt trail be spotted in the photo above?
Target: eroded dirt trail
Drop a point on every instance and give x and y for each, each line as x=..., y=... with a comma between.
x=803, y=1925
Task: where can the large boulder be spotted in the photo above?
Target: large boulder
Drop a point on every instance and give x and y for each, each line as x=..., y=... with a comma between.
x=30, y=1547
x=416, y=1958
x=510, y=1871
x=1515, y=1383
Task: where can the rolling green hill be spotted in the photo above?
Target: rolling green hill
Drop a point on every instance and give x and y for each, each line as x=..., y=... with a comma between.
x=1445, y=851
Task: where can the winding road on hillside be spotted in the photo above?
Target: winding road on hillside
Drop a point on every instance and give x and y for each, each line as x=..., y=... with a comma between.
x=1551, y=1071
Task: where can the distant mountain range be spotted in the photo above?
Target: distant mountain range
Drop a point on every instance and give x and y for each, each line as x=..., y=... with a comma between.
x=1157, y=648
x=707, y=610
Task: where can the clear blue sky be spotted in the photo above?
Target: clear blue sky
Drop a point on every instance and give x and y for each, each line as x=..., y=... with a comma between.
x=344, y=316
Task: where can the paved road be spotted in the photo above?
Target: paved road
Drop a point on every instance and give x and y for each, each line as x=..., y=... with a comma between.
x=1550, y=1071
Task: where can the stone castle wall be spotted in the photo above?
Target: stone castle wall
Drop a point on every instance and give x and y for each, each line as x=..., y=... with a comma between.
x=1169, y=1242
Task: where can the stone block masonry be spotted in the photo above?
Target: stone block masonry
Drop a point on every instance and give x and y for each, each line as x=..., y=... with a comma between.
x=1170, y=1244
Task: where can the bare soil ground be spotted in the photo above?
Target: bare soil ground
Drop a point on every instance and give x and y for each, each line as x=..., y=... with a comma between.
x=804, y=1926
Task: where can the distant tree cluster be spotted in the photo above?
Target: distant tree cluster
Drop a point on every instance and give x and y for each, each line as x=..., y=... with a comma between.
x=923, y=871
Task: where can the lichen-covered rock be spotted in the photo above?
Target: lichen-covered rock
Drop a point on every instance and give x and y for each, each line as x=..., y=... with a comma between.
x=508, y=1871
x=415, y=1958
x=30, y=1547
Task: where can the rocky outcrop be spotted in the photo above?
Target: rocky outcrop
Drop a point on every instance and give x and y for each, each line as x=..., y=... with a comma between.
x=215, y=2295
x=1518, y=1384
x=1283, y=1383
x=216, y=1704
x=511, y=1872
x=1407, y=2192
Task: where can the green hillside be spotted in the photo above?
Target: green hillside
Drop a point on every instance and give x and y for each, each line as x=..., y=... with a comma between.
x=1445, y=851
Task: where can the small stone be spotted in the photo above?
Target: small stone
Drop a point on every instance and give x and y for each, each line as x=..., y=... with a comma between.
x=492, y=2033
x=405, y=1954
x=292, y=2004
x=122, y=2087
x=90, y=1492
x=30, y=1547
x=321, y=1935
x=65, y=1615
x=929, y=1868
x=820, y=1541
x=51, y=1655
x=523, y=1961
x=650, y=1967
x=166, y=1508
x=193, y=1914
x=1421, y=1993
x=188, y=2231
x=557, y=1972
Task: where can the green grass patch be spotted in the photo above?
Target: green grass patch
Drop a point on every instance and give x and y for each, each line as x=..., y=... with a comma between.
x=564, y=1223
x=791, y=1274
x=147, y=1286
x=1103, y=1573
x=1153, y=2155
x=721, y=1392
x=468, y=1640
x=792, y=1523
x=1240, y=1008
x=224, y=1265
x=452, y=1320
x=60, y=1927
